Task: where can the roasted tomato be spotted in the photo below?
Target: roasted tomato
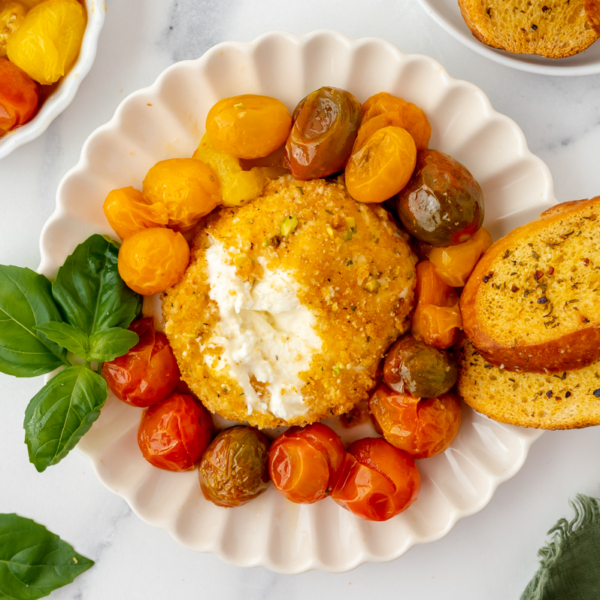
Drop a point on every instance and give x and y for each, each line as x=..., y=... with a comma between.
x=12, y=15
x=454, y=264
x=305, y=462
x=442, y=203
x=378, y=481
x=422, y=428
x=325, y=126
x=152, y=260
x=382, y=166
x=128, y=212
x=437, y=319
x=174, y=434
x=413, y=367
x=248, y=126
x=148, y=373
x=235, y=468
x=187, y=188
x=19, y=96
x=48, y=41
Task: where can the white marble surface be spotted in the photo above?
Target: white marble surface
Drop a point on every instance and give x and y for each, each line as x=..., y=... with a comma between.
x=489, y=556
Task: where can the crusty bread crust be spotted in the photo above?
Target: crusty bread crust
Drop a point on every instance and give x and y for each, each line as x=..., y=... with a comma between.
x=550, y=28
x=481, y=303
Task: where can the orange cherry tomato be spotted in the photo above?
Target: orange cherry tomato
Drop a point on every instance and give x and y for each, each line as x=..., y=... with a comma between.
x=399, y=113
x=422, y=428
x=437, y=319
x=152, y=260
x=382, y=166
x=454, y=264
x=378, y=481
x=148, y=373
x=128, y=212
x=305, y=462
x=248, y=126
x=174, y=434
x=19, y=96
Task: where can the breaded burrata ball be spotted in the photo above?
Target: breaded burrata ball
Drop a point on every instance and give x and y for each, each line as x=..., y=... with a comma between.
x=290, y=303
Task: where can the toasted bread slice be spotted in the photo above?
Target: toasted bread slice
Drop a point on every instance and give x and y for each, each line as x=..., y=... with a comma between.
x=532, y=302
x=560, y=401
x=550, y=28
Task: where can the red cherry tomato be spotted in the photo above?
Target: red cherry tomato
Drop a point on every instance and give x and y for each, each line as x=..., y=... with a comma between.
x=148, y=373
x=378, y=481
x=423, y=428
x=174, y=434
x=19, y=96
x=305, y=462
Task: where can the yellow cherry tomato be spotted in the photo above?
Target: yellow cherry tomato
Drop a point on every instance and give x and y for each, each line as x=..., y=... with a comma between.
x=128, y=212
x=187, y=188
x=47, y=43
x=248, y=126
x=382, y=166
x=12, y=15
x=152, y=260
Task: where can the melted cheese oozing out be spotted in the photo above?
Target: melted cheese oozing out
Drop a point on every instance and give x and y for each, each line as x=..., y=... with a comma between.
x=264, y=331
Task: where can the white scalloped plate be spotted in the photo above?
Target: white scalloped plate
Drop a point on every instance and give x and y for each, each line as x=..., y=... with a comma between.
x=65, y=92
x=446, y=13
x=167, y=120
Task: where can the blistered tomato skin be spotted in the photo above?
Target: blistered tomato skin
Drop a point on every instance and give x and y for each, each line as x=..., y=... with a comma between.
x=12, y=15
x=422, y=428
x=235, y=467
x=128, y=212
x=152, y=260
x=188, y=189
x=325, y=126
x=378, y=481
x=413, y=367
x=305, y=462
x=442, y=203
x=48, y=41
x=248, y=126
x=174, y=434
x=148, y=373
x=19, y=96
x=382, y=166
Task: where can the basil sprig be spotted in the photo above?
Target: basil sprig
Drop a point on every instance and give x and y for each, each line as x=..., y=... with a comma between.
x=34, y=561
x=84, y=313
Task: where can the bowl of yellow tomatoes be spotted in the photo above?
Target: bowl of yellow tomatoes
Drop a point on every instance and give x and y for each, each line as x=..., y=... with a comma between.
x=46, y=48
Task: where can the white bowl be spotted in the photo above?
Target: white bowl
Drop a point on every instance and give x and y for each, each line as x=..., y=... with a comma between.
x=167, y=120
x=447, y=14
x=66, y=90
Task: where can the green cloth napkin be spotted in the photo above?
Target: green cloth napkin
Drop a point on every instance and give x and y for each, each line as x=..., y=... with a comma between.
x=570, y=563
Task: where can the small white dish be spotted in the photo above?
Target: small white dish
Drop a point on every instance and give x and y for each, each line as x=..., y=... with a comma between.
x=167, y=120
x=66, y=90
x=446, y=13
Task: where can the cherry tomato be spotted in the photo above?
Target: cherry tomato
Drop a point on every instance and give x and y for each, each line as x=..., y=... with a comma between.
x=378, y=481
x=382, y=166
x=148, y=373
x=187, y=188
x=174, y=434
x=152, y=260
x=12, y=15
x=422, y=428
x=325, y=126
x=19, y=96
x=305, y=462
x=248, y=126
x=128, y=212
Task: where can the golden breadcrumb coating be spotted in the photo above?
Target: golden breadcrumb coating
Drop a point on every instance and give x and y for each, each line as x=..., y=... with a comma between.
x=356, y=273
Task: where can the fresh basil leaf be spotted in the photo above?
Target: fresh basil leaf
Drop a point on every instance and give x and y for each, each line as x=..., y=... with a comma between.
x=34, y=561
x=107, y=345
x=67, y=336
x=61, y=413
x=26, y=302
x=90, y=291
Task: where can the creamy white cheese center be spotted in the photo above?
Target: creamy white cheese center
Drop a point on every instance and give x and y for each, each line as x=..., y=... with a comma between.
x=264, y=331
